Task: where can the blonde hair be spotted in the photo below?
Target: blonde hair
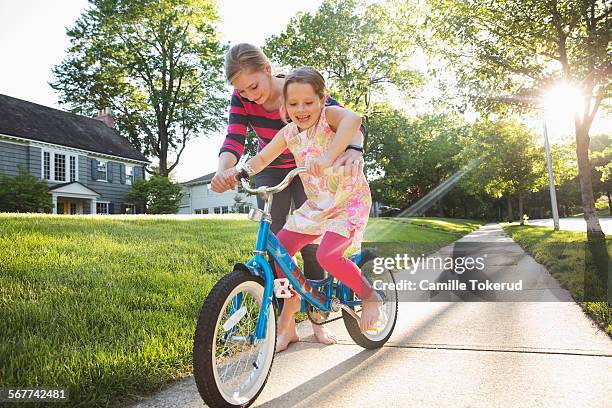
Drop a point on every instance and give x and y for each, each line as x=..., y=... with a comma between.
x=303, y=75
x=243, y=57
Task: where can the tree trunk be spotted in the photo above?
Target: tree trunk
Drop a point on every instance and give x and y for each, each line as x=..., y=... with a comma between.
x=163, y=153
x=520, y=209
x=609, y=202
x=509, y=202
x=586, y=186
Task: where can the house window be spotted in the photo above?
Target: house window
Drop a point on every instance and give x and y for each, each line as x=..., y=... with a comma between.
x=204, y=210
x=224, y=210
x=101, y=208
x=217, y=210
x=72, y=168
x=46, y=165
x=60, y=167
x=130, y=209
x=129, y=175
x=101, y=171
x=73, y=208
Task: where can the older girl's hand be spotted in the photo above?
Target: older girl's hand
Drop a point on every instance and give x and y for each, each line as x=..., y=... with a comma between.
x=224, y=180
x=317, y=166
x=352, y=160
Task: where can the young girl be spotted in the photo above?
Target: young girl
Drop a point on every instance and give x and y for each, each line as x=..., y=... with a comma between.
x=337, y=206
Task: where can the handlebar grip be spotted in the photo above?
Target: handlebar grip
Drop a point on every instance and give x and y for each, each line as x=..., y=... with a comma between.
x=242, y=175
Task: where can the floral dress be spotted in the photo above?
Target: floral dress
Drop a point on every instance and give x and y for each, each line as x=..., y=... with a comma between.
x=335, y=202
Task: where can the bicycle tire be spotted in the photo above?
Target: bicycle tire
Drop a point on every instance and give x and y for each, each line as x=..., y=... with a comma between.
x=208, y=360
x=373, y=341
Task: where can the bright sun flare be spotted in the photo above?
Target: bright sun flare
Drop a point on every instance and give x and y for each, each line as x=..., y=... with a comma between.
x=561, y=103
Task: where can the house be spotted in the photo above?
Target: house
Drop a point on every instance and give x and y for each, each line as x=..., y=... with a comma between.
x=87, y=164
x=198, y=198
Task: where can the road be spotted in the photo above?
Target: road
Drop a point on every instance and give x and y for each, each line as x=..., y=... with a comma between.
x=574, y=224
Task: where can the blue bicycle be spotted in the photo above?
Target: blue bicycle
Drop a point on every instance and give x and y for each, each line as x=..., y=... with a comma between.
x=235, y=337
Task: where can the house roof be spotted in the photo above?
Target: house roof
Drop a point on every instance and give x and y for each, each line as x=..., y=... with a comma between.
x=36, y=122
x=200, y=180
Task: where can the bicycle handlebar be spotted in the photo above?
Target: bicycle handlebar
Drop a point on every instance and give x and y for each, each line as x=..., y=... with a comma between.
x=275, y=189
x=283, y=184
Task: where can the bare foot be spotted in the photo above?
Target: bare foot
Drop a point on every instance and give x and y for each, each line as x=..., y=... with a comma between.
x=324, y=335
x=370, y=312
x=285, y=339
x=287, y=332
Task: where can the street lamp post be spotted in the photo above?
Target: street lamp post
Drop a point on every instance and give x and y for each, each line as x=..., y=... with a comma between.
x=551, y=179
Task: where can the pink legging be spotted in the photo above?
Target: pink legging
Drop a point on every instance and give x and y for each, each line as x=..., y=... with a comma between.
x=329, y=256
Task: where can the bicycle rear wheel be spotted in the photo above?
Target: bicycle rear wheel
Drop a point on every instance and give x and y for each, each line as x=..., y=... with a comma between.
x=228, y=369
x=374, y=338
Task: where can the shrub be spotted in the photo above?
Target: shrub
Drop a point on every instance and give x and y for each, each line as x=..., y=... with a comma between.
x=24, y=193
x=158, y=195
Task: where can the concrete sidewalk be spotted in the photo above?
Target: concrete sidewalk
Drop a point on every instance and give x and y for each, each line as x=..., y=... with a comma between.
x=449, y=354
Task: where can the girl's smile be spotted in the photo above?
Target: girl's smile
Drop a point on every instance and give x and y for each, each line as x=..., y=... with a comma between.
x=303, y=105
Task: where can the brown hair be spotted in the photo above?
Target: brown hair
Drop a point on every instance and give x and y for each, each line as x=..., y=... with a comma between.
x=244, y=57
x=303, y=75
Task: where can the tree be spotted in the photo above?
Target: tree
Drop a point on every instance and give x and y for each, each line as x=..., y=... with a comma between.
x=158, y=195
x=513, y=163
x=157, y=63
x=239, y=203
x=412, y=155
x=360, y=48
x=524, y=47
x=601, y=156
x=24, y=193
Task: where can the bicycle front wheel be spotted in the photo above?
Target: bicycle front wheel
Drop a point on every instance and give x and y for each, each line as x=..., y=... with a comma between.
x=229, y=370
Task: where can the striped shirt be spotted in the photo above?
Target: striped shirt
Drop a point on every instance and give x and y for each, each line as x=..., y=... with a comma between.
x=244, y=113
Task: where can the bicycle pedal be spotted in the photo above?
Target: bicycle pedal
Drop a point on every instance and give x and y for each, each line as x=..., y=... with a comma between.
x=282, y=288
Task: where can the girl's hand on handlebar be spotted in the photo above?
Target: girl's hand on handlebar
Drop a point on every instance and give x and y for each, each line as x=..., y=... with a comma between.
x=317, y=166
x=224, y=180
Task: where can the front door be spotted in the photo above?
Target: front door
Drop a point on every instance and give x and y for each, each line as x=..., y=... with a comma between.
x=68, y=206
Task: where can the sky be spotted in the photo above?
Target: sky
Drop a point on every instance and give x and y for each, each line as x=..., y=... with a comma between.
x=33, y=38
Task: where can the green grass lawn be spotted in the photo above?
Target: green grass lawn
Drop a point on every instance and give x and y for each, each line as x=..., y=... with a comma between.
x=107, y=307
x=567, y=256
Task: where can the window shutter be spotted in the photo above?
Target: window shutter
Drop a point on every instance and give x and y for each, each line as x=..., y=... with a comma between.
x=94, y=169
x=122, y=173
x=109, y=171
x=111, y=209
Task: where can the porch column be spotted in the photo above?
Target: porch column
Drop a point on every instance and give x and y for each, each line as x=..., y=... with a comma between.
x=92, y=209
x=54, y=201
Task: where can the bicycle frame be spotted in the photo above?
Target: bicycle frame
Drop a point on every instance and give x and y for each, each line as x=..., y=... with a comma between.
x=309, y=290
